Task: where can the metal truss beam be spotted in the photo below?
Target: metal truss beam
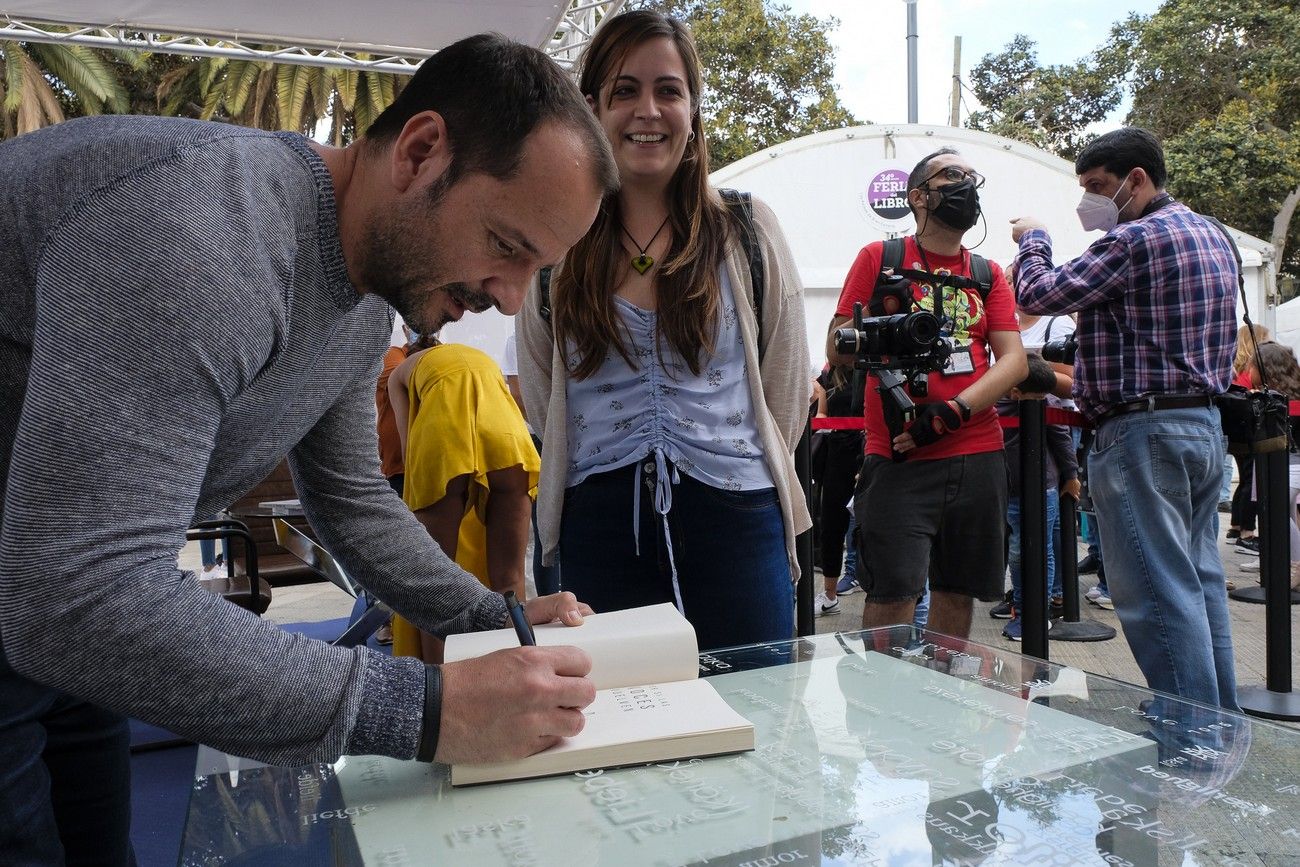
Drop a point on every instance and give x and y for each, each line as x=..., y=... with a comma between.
x=573, y=31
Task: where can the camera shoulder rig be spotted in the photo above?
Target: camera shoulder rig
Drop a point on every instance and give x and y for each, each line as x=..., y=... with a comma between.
x=981, y=279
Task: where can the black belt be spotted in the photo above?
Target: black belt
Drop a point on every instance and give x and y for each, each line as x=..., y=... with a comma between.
x=1155, y=402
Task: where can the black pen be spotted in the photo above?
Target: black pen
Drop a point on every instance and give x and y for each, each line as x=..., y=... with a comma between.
x=520, y=619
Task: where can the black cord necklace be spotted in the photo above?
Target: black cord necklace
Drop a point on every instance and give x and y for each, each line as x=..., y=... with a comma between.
x=643, y=262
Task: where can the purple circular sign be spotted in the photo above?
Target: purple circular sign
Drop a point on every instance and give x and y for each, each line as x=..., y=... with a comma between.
x=887, y=194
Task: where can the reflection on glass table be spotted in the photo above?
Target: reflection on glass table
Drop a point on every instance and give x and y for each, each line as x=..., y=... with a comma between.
x=873, y=747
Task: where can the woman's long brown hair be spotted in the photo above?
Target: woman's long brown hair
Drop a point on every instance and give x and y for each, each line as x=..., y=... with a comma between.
x=1281, y=372
x=687, y=289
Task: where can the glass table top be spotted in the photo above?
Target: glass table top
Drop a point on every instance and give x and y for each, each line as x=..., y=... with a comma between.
x=876, y=747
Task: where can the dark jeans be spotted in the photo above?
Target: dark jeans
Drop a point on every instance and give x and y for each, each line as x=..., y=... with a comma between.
x=545, y=578
x=842, y=460
x=65, y=778
x=728, y=546
x=1243, y=505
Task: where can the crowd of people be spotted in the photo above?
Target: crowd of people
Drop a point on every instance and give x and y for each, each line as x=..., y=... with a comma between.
x=662, y=362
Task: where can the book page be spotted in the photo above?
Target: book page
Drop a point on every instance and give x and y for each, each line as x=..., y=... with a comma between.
x=632, y=725
x=653, y=644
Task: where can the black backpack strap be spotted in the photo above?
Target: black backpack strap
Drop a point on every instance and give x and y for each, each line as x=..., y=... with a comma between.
x=544, y=297
x=891, y=255
x=982, y=274
x=741, y=207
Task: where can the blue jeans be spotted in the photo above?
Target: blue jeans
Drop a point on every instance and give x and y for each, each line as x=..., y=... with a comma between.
x=65, y=769
x=1155, y=479
x=921, y=616
x=728, y=547
x=1053, y=542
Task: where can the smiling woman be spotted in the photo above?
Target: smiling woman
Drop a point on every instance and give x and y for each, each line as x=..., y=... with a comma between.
x=667, y=468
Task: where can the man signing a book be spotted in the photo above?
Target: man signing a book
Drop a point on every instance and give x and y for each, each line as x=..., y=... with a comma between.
x=240, y=286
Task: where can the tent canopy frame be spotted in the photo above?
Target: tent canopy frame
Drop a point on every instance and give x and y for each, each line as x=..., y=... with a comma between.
x=570, y=33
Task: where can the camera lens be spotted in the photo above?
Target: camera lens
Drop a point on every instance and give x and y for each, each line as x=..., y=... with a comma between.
x=920, y=330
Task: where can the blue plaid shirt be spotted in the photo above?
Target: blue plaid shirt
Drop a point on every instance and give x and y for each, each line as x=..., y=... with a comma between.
x=1156, y=304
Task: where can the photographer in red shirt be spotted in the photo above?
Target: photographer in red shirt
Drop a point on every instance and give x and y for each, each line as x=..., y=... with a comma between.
x=931, y=499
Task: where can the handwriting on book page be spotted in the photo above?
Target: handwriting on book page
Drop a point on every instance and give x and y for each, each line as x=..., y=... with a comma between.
x=631, y=699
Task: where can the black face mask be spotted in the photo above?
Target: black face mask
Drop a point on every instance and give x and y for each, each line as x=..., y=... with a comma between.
x=959, y=205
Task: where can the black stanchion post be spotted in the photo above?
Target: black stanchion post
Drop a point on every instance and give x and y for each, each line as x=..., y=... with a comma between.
x=803, y=604
x=1072, y=627
x=1264, y=475
x=1033, y=529
x=1067, y=564
x=1275, y=700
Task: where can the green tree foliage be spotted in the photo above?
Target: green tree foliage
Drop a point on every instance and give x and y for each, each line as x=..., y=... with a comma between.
x=277, y=96
x=1220, y=85
x=1048, y=106
x=768, y=73
x=43, y=83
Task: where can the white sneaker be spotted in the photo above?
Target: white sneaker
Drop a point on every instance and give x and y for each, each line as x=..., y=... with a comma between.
x=1104, y=601
x=212, y=573
x=1093, y=594
x=1251, y=566
x=824, y=605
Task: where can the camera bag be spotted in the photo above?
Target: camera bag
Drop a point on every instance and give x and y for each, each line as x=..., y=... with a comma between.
x=1255, y=422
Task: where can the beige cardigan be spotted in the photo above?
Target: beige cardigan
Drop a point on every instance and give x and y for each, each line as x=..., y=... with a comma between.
x=781, y=387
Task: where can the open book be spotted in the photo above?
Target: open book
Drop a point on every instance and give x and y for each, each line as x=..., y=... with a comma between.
x=650, y=704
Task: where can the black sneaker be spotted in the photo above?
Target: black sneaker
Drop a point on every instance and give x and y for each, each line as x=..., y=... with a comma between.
x=1056, y=609
x=1248, y=546
x=1002, y=611
x=1233, y=533
x=1088, y=565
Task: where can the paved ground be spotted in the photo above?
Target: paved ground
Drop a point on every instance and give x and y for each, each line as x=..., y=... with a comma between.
x=1113, y=658
x=1110, y=658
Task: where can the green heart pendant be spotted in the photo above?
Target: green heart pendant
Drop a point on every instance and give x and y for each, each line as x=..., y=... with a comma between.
x=642, y=263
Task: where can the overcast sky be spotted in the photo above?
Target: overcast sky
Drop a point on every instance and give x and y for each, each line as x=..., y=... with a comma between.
x=871, y=44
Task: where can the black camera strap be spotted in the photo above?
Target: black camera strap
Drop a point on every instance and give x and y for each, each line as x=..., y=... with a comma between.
x=1241, y=288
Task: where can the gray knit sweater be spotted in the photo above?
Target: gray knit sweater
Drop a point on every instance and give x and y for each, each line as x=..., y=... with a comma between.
x=175, y=318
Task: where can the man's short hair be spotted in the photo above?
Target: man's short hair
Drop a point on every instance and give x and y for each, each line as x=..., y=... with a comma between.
x=921, y=172
x=492, y=93
x=1123, y=150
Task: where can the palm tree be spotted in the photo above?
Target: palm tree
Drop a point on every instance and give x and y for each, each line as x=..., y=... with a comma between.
x=277, y=96
x=44, y=83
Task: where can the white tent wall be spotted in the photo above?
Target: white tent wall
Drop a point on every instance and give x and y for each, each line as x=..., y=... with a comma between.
x=817, y=184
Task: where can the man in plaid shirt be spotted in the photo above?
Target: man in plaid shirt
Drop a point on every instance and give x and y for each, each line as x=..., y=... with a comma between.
x=1157, y=315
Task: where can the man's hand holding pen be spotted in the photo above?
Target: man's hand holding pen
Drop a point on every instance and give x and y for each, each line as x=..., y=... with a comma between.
x=513, y=703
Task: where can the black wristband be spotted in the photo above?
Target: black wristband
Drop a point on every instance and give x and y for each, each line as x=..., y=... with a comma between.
x=432, y=713
x=963, y=407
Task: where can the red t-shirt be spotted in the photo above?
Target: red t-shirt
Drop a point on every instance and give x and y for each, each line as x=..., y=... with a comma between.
x=974, y=319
